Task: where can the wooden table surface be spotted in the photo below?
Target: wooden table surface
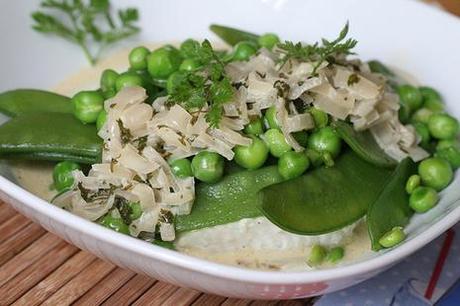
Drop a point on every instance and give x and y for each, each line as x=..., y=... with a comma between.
x=36, y=267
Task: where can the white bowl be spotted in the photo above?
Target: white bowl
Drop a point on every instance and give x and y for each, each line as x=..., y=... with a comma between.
x=407, y=34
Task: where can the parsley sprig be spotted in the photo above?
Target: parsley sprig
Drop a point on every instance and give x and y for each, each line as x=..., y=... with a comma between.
x=316, y=52
x=87, y=22
x=207, y=86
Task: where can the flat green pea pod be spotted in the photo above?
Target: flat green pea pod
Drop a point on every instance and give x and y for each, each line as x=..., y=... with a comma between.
x=391, y=209
x=364, y=145
x=50, y=136
x=233, y=36
x=26, y=101
x=325, y=199
x=233, y=198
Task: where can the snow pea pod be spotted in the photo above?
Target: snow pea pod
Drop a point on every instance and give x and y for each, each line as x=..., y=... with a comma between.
x=233, y=36
x=391, y=208
x=53, y=156
x=364, y=145
x=49, y=136
x=325, y=199
x=233, y=198
x=25, y=101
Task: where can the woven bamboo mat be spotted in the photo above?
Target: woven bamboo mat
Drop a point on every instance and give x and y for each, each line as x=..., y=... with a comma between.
x=38, y=268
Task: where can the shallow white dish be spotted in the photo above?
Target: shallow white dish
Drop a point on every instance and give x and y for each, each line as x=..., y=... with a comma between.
x=406, y=34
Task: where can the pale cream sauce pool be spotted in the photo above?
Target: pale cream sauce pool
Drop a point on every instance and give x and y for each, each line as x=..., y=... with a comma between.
x=284, y=253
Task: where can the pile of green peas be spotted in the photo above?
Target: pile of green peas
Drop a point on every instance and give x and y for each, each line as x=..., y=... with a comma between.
x=423, y=107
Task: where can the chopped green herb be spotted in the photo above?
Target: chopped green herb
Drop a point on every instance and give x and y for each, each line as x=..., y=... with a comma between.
x=125, y=133
x=352, y=79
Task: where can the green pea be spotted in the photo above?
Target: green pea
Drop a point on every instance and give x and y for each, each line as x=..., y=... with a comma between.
x=435, y=172
x=276, y=142
x=393, y=237
x=136, y=210
x=87, y=105
x=128, y=79
x=115, y=224
x=189, y=65
x=255, y=127
x=164, y=61
x=188, y=48
x=243, y=51
x=432, y=100
x=270, y=118
x=410, y=96
x=317, y=255
x=404, y=113
x=62, y=175
x=174, y=80
x=422, y=115
x=181, y=168
x=108, y=80
x=448, y=143
x=451, y=153
x=443, y=126
x=301, y=137
x=138, y=58
x=293, y=164
x=253, y=156
x=268, y=40
x=412, y=182
x=424, y=133
x=101, y=119
x=208, y=166
x=320, y=118
x=335, y=254
x=325, y=140
x=314, y=157
x=423, y=199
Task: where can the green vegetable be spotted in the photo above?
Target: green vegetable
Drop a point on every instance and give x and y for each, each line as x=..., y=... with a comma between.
x=270, y=118
x=252, y=156
x=232, y=36
x=138, y=58
x=26, y=101
x=136, y=210
x=128, y=79
x=268, y=40
x=390, y=208
x=208, y=167
x=317, y=255
x=436, y=173
x=410, y=96
x=450, y=151
x=393, y=237
x=243, y=51
x=181, y=168
x=108, y=83
x=51, y=156
x=335, y=254
x=46, y=136
x=325, y=140
x=293, y=164
x=233, y=198
x=422, y=115
x=276, y=142
x=325, y=199
x=163, y=61
x=404, y=113
x=255, y=127
x=424, y=133
x=363, y=144
x=62, y=175
x=85, y=18
x=188, y=49
x=432, y=100
x=379, y=67
x=316, y=52
x=189, y=65
x=443, y=126
x=101, y=119
x=301, y=137
x=321, y=118
x=412, y=183
x=87, y=105
x=423, y=199
x=115, y=224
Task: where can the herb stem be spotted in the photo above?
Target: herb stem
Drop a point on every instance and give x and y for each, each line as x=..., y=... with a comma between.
x=88, y=55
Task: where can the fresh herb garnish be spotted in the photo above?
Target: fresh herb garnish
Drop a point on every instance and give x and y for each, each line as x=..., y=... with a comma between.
x=125, y=133
x=316, y=52
x=87, y=23
x=352, y=79
x=124, y=209
x=209, y=85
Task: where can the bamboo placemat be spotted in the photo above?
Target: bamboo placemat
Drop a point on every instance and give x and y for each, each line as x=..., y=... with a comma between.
x=38, y=268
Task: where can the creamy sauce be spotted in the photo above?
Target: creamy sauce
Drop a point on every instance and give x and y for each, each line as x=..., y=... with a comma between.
x=263, y=245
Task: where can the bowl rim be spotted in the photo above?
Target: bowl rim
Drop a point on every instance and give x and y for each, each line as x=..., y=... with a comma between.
x=377, y=263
